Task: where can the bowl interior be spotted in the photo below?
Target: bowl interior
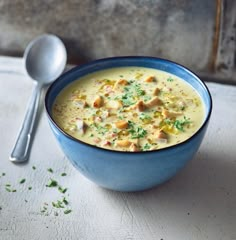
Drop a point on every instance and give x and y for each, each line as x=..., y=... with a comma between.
x=149, y=62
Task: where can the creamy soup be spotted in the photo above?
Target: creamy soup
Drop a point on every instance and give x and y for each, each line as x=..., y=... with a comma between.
x=129, y=109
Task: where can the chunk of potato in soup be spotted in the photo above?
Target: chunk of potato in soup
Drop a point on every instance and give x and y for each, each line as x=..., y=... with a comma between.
x=129, y=109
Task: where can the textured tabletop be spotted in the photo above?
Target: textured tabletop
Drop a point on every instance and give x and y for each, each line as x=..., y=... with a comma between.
x=198, y=203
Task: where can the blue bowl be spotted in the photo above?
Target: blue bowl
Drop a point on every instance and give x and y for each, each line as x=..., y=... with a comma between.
x=128, y=171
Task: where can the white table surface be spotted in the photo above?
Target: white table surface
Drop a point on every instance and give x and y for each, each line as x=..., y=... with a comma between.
x=199, y=203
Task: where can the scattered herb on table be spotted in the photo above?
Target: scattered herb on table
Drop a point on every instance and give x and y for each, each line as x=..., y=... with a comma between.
x=50, y=170
x=63, y=203
x=62, y=190
x=9, y=188
x=67, y=211
x=22, y=181
x=52, y=183
x=44, y=209
x=58, y=204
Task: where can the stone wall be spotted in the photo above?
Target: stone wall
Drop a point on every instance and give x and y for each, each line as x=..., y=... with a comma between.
x=180, y=30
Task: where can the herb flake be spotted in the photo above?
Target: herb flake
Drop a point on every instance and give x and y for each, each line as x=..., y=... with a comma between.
x=62, y=190
x=67, y=211
x=136, y=131
x=22, y=181
x=52, y=183
x=50, y=170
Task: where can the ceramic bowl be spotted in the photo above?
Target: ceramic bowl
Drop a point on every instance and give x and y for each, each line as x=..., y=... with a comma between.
x=128, y=171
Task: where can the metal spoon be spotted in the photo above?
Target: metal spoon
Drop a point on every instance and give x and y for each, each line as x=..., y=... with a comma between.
x=45, y=59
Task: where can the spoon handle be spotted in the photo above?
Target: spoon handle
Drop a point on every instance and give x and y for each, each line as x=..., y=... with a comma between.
x=20, y=151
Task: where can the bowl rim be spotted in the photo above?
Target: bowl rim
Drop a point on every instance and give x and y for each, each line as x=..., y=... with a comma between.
x=81, y=66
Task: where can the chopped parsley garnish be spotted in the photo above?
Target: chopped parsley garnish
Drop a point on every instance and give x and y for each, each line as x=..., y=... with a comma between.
x=134, y=88
x=144, y=116
x=136, y=131
x=63, y=174
x=170, y=79
x=146, y=147
x=138, y=90
x=33, y=167
x=140, y=133
x=178, y=124
x=127, y=100
x=29, y=188
x=100, y=129
x=131, y=92
x=3, y=174
x=147, y=98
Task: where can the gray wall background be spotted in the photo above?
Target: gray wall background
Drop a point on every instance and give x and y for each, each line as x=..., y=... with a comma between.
x=179, y=30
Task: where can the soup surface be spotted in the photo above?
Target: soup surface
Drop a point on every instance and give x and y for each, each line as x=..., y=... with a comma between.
x=129, y=109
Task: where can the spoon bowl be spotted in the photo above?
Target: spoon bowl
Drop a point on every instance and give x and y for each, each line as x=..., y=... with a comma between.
x=45, y=59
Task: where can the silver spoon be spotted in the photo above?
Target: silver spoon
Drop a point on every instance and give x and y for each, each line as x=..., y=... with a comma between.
x=45, y=59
